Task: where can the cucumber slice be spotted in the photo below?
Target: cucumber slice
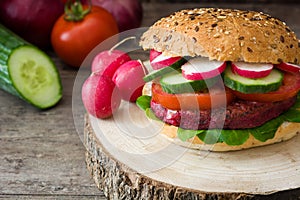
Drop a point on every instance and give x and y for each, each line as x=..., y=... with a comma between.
x=27, y=72
x=157, y=73
x=160, y=72
x=34, y=76
x=248, y=85
x=175, y=83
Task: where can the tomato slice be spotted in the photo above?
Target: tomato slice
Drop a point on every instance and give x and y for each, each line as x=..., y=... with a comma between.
x=214, y=98
x=289, y=88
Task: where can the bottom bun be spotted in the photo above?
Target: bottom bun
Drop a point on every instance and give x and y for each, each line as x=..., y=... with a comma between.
x=285, y=132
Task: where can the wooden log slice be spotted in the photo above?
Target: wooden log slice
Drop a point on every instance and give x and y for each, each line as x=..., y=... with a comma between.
x=126, y=163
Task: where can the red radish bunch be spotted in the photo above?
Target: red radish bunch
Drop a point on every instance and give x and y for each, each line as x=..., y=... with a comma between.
x=202, y=68
x=288, y=67
x=114, y=77
x=251, y=70
x=158, y=60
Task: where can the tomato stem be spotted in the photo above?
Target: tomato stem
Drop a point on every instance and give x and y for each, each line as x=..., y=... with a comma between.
x=74, y=11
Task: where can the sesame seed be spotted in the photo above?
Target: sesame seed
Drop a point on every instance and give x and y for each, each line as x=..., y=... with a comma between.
x=192, y=17
x=282, y=39
x=274, y=46
x=169, y=37
x=253, y=39
x=156, y=39
x=267, y=34
x=216, y=35
x=221, y=17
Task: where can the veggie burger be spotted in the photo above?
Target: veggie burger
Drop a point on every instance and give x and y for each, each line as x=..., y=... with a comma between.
x=223, y=79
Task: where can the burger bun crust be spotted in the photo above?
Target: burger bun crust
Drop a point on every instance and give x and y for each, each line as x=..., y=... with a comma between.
x=224, y=35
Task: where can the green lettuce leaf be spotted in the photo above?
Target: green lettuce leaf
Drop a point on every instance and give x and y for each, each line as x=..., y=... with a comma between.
x=184, y=134
x=211, y=136
x=293, y=114
x=267, y=130
x=143, y=102
x=235, y=137
x=150, y=114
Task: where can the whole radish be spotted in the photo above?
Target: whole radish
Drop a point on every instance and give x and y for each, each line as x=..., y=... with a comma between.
x=129, y=79
x=100, y=96
x=107, y=62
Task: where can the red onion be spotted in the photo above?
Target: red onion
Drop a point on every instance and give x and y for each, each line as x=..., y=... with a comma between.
x=31, y=19
x=128, y=13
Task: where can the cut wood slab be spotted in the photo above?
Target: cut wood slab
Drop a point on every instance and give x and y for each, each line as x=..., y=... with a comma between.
x=129, y=159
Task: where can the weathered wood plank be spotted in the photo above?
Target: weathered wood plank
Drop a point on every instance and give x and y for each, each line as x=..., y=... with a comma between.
x=50, y=197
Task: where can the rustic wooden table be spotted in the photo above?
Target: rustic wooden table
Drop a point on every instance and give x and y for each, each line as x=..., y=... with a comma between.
x=41, y=154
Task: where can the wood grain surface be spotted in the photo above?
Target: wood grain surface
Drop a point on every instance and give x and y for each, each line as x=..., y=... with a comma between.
x=42, y=155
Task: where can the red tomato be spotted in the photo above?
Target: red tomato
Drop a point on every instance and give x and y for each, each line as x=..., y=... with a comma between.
x=289, y=88
x=73, y=40
x=195, y=100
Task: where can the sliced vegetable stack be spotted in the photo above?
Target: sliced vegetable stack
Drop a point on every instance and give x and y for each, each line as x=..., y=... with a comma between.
x=199, y=85
x=27, y=72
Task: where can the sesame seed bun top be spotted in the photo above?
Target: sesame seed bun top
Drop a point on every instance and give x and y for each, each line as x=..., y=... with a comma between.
x=224, y=35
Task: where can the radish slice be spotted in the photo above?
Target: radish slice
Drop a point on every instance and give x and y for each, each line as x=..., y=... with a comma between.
x=251, y=70
x=158, y=60
x=202, y=68
x=153, y=54
x=288, y=67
